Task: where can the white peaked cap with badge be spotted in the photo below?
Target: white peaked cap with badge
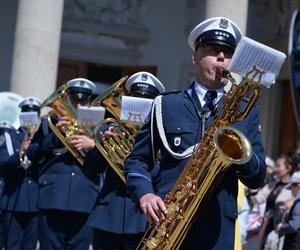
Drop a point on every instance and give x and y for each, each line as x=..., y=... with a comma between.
x=145, y=80
x=30, y=101
x=219, y=30
x=82, y=83
x=6, y=124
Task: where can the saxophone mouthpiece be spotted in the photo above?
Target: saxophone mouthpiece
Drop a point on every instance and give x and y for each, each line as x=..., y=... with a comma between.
x=225, y=73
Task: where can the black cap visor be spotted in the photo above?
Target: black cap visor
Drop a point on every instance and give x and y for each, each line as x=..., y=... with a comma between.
x=30, y=108
x=216, y=37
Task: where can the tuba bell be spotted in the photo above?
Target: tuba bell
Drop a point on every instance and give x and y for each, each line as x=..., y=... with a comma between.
x=115, y=149
x=62, y=106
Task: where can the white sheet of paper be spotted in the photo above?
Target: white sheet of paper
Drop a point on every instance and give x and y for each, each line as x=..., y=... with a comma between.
x=134, y=109
x=90, y=116
x=249, y=53
x=29, y=119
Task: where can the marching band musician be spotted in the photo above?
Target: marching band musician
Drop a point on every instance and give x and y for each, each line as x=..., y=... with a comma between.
x=19, y=200
x=116, y=220
x=5, y=126
x=66, y=195
x=183, y=113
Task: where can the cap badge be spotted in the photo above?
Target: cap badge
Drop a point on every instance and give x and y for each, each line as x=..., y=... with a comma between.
x=144, y=77
x=81, y=83
x=223, y=23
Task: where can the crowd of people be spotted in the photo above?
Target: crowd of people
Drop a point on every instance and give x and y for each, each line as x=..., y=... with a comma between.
x=271, y=218
x=63, y=193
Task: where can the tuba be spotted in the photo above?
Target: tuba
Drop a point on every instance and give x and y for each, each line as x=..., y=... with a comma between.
x=115, y=149
x=61, y=104
x=221, y=146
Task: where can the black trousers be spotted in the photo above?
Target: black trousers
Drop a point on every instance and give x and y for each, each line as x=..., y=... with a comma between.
x=103, y=240
x=20, y=230
x=64, y=230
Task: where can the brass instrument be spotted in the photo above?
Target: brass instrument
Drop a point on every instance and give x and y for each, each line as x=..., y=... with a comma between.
x=61, y=104
x=115, y=149
x=29, y=133
x=221, y=146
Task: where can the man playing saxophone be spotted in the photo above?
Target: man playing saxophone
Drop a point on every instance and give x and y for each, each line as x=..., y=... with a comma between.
x=66, y=194
x=179, y=125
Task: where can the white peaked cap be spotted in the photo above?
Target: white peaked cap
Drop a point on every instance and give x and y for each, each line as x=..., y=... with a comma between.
x=6, y=124
x=82, y=83
x=220, y=30
x=30, y=101
x=144, y=77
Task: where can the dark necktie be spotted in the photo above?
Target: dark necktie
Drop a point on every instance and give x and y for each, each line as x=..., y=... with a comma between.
x=208, y=107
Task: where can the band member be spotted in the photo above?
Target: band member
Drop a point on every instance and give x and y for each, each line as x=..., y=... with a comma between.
x=182, y=114
x=66, y=194
x=20, y=192
x=116, y=220
x=5, y=127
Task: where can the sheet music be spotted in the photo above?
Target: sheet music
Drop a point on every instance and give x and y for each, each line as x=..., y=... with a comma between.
x=90, y=116
x=134, y=109
x=28, y=119
x=249, y=53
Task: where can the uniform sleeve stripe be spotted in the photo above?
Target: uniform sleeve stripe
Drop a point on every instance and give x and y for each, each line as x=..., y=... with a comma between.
x=138, y=175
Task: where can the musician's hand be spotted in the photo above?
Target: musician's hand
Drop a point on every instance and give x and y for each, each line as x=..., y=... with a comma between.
x=80, y=142
x=64, y=121
x=26, y=144
x=153, y=207
x=111, y=132
x=80, y=131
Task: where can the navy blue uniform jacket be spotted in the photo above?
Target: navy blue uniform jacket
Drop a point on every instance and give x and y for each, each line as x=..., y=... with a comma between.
x=20, y=190
x=63, y=185
x=214, y=229
x=114, y=211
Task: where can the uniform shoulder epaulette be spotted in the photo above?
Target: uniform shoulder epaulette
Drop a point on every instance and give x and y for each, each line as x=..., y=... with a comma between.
x=170, y=92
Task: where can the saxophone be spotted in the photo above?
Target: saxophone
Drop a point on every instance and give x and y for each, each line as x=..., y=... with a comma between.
x=221, y=146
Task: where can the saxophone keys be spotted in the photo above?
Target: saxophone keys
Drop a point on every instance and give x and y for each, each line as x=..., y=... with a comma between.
x=152, y=243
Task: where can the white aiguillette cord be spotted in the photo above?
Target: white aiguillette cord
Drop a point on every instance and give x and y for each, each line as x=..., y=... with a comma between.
x=158, y=112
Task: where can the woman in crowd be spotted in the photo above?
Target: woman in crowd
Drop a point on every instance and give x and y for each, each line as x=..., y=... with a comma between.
x=275, y=194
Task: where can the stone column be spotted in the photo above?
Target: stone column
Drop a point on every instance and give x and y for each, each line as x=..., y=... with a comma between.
x=36, y=48
x=237, y=11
